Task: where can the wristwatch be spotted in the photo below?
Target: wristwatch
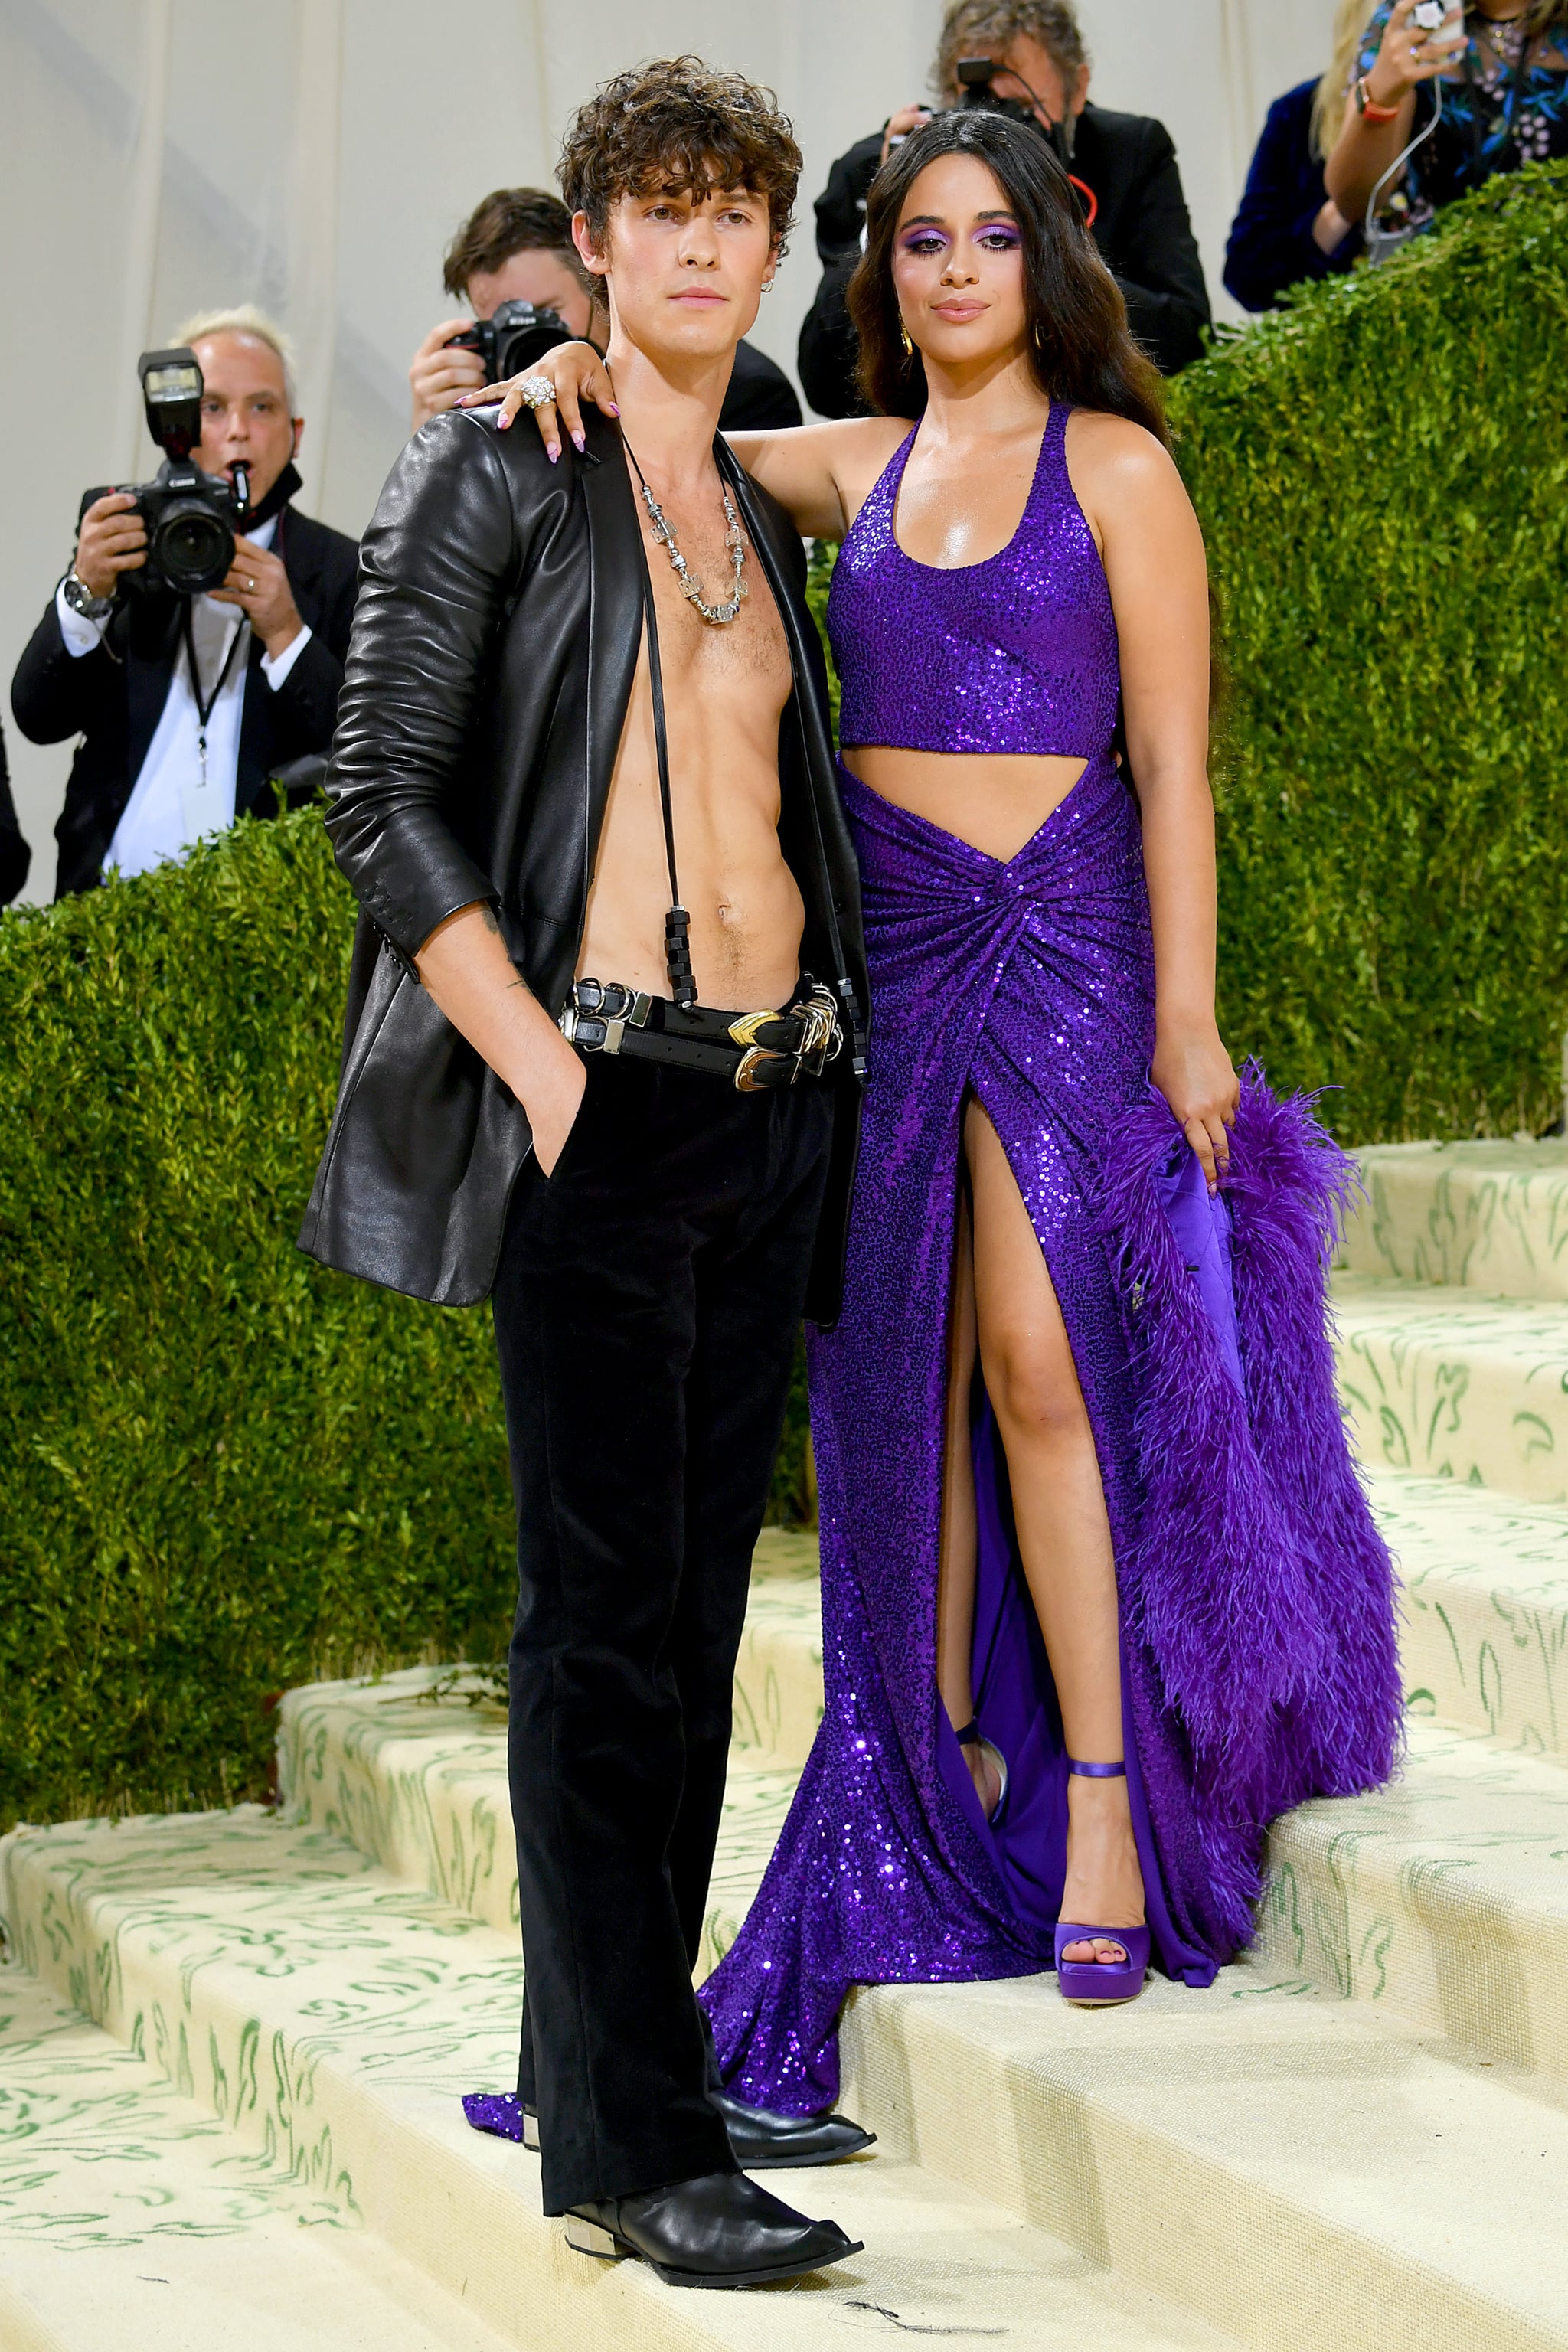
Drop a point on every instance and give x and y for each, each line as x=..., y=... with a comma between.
x=80, y=599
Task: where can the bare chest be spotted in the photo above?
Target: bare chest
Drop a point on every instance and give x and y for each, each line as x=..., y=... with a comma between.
x=957, y=508
x=705, y=661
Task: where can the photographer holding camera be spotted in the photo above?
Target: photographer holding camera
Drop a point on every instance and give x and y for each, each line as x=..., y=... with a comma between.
x=1028, y=58
x=514, y=250
x=196, y=643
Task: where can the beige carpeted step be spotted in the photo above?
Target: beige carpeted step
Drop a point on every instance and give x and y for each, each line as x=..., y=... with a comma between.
x=414, y=1775
x=1493, y=1217
x=331, y=2018
x=1303, y=2172
x=1450, y=1384
x=132, y=2220
x=1292, y=2172
x=1443, y=1899
x=1484, y=1614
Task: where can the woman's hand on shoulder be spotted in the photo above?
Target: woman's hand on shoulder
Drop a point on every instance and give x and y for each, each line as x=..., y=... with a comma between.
x=575, y=373
x=1195, y=1074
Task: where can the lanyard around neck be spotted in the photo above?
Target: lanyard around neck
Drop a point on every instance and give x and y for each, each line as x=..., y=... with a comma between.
x=205, y=709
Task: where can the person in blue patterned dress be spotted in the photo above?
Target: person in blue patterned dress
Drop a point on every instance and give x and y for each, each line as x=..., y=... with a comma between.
x=1502, y=68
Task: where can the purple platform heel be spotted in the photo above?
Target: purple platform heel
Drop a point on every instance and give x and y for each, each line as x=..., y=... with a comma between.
x=1102, y=1984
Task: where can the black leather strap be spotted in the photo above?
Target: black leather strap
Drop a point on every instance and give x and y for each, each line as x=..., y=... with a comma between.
x=677, y=922
x=756, y=1051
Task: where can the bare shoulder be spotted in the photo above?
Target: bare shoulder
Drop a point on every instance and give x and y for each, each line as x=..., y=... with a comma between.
x=1126, y=482
x=1114, y=452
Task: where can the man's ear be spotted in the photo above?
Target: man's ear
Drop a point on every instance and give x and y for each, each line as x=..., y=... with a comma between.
x=298, y=435
x=1079, y=98
x=587, y=251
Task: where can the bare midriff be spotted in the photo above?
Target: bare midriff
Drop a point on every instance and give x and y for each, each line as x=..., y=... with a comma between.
x=725, y=694
x=995, y=800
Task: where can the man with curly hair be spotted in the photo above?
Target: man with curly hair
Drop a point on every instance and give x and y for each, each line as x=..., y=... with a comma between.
x=516, y=247
x=583, y=785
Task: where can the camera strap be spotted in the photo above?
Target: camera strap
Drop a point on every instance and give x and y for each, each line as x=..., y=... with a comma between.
x=677, y=922
x=204, y=708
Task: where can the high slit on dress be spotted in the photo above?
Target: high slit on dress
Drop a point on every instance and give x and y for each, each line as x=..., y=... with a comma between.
x=1255, y=1596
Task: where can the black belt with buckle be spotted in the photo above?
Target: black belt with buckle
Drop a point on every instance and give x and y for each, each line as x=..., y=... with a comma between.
x=754, y=1051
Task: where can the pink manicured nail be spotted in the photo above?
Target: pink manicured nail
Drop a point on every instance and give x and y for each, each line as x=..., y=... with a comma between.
x=551, y=451
x=578, y=443
x=614, y=410
x=503, y=425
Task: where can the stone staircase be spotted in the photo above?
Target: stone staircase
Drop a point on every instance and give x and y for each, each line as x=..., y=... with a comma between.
x=231, y=2044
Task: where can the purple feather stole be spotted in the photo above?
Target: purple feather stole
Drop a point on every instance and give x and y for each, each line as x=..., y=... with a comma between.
x=1256, y=1597
x=1255, y=1576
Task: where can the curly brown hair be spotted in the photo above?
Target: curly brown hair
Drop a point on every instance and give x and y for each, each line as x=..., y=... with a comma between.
x=679, y=125
x=1079, y=346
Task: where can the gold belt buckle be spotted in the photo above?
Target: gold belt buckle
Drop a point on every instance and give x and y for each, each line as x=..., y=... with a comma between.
x=744, y=1029
x=752, y=1059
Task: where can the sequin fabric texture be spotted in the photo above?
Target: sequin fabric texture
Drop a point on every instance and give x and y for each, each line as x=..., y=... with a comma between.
x=1028, y=980
x=1017, y=654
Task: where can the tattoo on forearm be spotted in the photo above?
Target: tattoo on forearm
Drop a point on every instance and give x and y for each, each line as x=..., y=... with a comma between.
x=488, y=914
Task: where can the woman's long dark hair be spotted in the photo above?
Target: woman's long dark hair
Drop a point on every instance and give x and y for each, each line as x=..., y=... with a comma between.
x=1079, y=345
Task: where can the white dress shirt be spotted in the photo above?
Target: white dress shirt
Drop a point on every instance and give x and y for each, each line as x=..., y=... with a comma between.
x=171, y=806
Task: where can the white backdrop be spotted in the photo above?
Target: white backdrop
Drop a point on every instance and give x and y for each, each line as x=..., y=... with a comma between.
x=315, y=156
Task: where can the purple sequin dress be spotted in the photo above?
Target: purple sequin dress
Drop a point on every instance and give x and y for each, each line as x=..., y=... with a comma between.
x=1258, y=1663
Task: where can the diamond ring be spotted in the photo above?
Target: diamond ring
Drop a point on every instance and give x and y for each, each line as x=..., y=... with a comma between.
x=535, y=391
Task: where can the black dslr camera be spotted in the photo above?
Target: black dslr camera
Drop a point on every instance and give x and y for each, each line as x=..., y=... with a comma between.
x=976, y=79
x=191, y=518
x=518, y=335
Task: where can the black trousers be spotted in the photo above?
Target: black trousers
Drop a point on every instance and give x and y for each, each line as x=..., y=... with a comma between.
x=645, y=1308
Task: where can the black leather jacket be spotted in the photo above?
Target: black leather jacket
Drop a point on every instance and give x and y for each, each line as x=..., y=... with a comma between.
x=487, y=685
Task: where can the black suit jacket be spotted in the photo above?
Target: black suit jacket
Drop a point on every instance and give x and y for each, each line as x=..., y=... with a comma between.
x=114, y=697
x=487, y=687
x=1141, y=229
x=14, y=855
x=760, y=395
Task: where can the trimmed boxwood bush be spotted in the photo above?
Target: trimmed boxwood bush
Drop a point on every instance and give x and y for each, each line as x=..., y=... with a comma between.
x=227, y=1470
x=1380, y=472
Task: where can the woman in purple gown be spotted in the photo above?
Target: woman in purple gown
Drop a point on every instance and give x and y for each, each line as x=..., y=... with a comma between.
x=1101, y=1594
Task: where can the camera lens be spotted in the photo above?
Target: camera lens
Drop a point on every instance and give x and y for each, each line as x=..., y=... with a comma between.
x=523, y=334
x=192, y=548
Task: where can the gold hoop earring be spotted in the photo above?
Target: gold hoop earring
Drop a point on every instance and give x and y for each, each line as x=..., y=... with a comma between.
x=904, y=339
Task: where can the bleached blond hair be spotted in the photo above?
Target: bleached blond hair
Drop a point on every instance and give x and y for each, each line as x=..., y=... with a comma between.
x=244, y=318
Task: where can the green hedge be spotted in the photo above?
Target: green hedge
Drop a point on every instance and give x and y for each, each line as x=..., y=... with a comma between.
x=1380, y=472
x=227, y=1470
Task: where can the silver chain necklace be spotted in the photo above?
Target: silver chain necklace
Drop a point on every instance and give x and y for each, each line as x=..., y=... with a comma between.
x=720, y=616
